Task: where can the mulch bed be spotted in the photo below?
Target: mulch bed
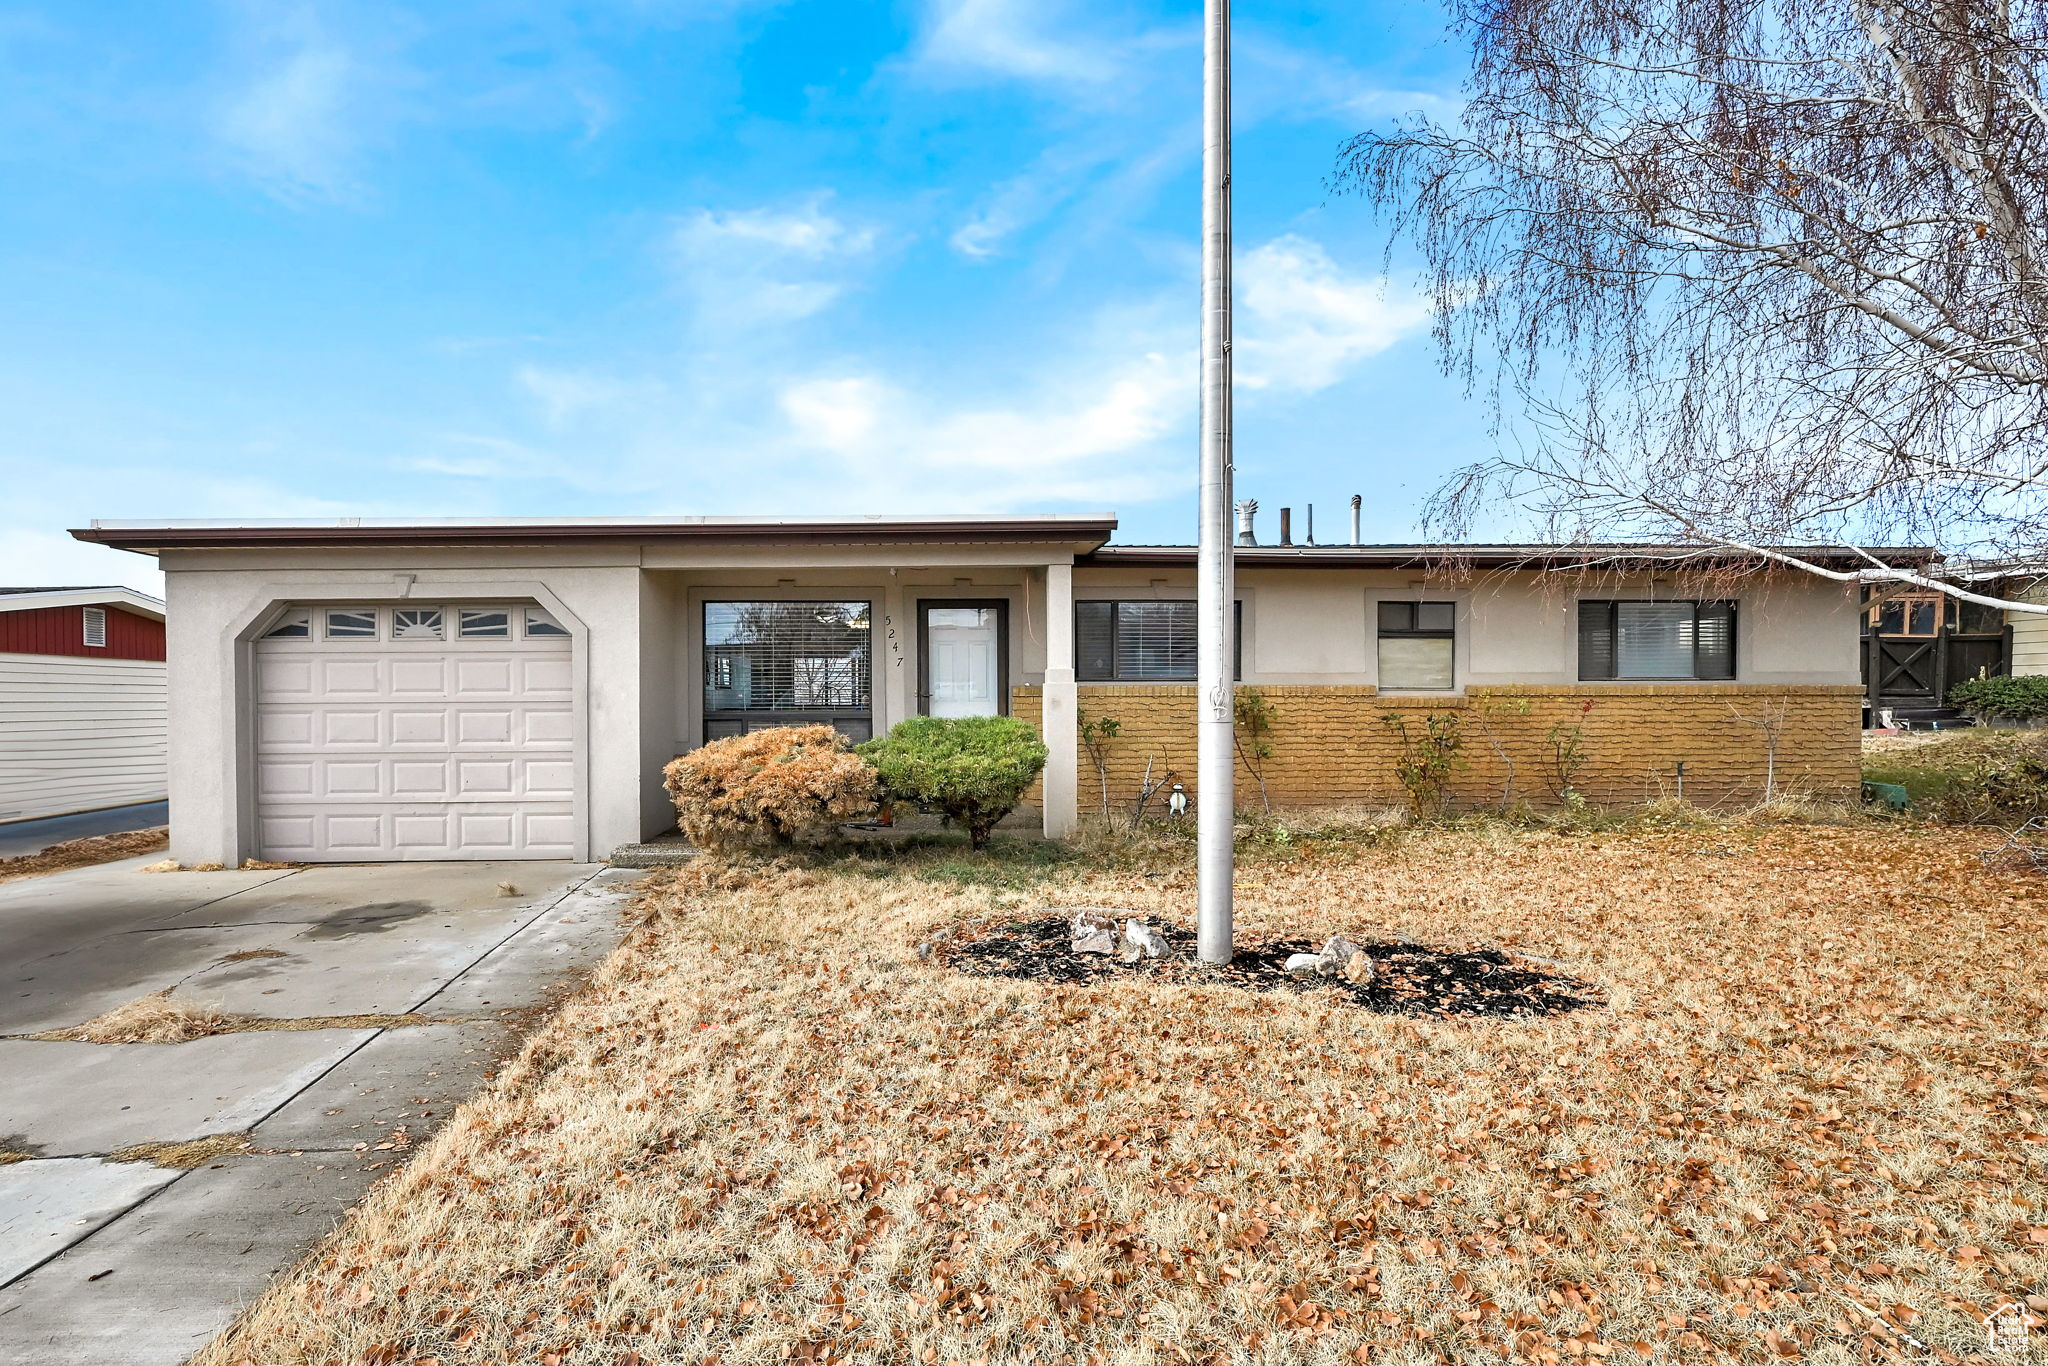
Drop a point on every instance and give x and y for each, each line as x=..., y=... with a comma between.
x=1408, y=978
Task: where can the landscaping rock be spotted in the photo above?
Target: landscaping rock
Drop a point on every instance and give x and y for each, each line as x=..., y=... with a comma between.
x=1130, y=952
x=1357, y=969
x=1094, y=931
x=1304, y=964
x=1150, y=942
x=1337, y=953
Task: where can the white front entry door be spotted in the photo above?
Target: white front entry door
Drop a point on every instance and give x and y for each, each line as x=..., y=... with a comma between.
x=963, y=660
x=391, y=746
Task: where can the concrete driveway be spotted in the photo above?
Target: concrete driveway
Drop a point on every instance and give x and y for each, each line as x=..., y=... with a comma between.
x=132, y=1263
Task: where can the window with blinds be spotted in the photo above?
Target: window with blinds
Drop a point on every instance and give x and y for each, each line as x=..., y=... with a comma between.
x=1417, y=646
x=1656, y=640
x=1141, y=642
x=797, y=657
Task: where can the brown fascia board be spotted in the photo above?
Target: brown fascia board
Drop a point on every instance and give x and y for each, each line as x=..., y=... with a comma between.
x=1091, y=532
x=1463, y=557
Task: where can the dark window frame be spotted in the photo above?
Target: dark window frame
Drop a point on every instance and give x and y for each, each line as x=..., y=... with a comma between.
x=856, y=721
x=1590, y=624
x=1082, y=676
x=1414, y=631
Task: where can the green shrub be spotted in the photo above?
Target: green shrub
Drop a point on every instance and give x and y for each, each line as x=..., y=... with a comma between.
x=2015, y=699
x=972, y=768
x=768, y=787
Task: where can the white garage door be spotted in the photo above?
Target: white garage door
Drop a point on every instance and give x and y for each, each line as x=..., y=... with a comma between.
x=414, y=733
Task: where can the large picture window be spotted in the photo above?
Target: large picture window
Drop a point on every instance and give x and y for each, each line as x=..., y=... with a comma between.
x=1144, y=641
x=793, y=658
x=1417, y=646
x=1656, y=640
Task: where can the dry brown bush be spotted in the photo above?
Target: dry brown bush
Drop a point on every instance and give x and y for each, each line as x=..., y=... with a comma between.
x=769, y=787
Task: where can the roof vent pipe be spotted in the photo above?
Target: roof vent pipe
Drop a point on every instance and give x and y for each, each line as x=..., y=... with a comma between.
x=1287, y=526
x=1356, y=501
x=1309, y=536
x=1246, y=510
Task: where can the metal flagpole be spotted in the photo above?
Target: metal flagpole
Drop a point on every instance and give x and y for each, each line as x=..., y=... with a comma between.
x=1215, y=579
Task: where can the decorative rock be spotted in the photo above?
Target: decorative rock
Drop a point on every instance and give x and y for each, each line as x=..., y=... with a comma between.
x=1304, y=964
x=1336, y=955
x=1094, y=931
x=1357, y=969
x=1130, y=952
x=1150, y=942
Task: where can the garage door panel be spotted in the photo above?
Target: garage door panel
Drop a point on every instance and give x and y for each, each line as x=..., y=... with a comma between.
x=551, y=727
x=484, y=726
x=373, y=751
x=419, y=677
x=282, y=726
x=553, y=779
x=541, y=677
x=285, y=778
x=418, y=780
x=485, y=677
x=349, y=678
x=419, y=727
x=353, y=729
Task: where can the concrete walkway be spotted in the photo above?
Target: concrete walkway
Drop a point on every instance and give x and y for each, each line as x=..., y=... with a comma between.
x=130, y=1263
x=19, y=838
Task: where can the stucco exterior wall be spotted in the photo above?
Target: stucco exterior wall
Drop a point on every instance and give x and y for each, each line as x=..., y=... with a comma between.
x=228, y=597
x=1331, y=745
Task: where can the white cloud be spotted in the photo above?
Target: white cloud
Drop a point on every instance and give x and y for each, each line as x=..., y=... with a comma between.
x=565, y=393
x=297, y=122
x=1091, y=434
x=1304, y=322
x=749, y=268
x=1014, y=38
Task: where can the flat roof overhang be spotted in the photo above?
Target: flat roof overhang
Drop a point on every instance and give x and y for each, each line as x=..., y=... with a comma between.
x=1452, y=558
x=1085, y=532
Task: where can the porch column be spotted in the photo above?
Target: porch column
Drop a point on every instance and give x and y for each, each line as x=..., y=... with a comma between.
x=1062, y=705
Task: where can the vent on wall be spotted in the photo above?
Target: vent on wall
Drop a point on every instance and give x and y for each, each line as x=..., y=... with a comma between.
x=96, y=627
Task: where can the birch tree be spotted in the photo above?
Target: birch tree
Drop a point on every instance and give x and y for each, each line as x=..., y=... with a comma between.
x=1744, y=273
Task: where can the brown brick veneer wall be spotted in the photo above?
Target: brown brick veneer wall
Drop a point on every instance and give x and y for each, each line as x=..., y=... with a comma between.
x=1330, y=745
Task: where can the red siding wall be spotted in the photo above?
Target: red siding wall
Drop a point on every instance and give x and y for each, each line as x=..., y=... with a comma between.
x=61, y=631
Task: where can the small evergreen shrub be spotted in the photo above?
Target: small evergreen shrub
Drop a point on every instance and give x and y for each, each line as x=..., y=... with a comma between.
x=769, y=787
x=2015, y=699
x=972, y=768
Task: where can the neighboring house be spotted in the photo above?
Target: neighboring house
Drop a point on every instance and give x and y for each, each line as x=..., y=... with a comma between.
x=82, y=700
x=511, y=689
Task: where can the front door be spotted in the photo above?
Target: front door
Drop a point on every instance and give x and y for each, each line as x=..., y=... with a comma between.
x=964, y=653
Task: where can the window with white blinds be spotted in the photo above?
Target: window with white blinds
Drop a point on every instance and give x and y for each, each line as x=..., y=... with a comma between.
x=1656, y=640
x=1141, y=642
x=787, y=656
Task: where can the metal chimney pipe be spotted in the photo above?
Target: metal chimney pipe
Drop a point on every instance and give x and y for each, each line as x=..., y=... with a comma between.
x=1287, y=526
x=1246, y=510
x=1356, y=501
x=1310, y=537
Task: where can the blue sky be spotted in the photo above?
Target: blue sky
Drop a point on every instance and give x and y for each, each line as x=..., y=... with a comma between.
x=477, y=257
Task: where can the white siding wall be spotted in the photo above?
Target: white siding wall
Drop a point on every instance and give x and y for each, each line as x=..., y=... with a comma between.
x=2029, y=639
x=79, y=734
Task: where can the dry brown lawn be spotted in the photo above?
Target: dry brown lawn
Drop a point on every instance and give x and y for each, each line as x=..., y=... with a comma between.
x=83, y=853
x=1808, y=1125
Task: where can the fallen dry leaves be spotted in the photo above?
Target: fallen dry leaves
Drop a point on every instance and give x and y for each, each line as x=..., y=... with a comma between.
x=1807, y=1125
x=83, y=853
